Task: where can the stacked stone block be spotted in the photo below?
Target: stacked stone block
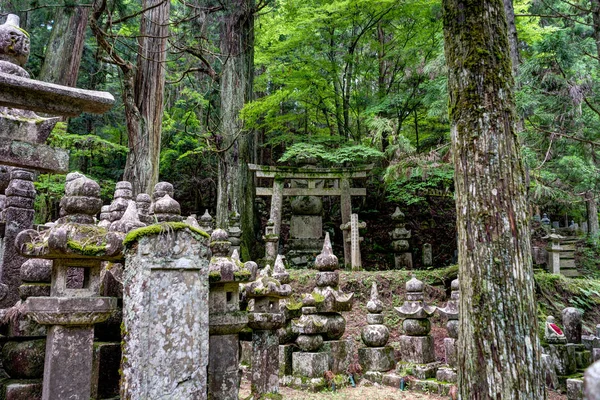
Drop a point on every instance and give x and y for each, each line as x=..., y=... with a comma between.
x=448, y=374
x=400, y=245
x=321, y=325
x=416, y=345
x=264, y=319
x=70, y=313
x=376, y=357
x=226, y=319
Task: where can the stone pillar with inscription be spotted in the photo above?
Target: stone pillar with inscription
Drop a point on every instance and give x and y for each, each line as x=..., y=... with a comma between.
x=449, y=374
x=165, y=311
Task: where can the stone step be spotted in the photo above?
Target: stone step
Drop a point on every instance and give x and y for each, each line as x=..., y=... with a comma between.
x=570, y=273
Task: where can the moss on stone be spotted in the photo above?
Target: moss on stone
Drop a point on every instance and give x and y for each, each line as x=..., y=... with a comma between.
x=86, y=248
x=157, y=229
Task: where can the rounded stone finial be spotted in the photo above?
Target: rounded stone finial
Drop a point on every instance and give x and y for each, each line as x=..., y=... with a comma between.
x=414, y=285
x=14, y=42
x=219, y=235
x=454, y=285
x=326, y=261
x=82, y=199
x=219, y=243
x=167, y=209
x=161, y=189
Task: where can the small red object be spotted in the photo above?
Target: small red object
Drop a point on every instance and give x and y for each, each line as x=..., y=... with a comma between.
x=556, y=329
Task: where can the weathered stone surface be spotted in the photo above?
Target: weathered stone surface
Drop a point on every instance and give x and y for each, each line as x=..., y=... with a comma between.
x=427, y=255
x=342, y=354
x=450, y=351
x=563, y=358
x=416, y=349
x=36, y=270
x=70, y=310
x=328, y=278
x=446, y=375
x=571, y=319
x=311, y=365
x=265, y=362
x=223, y=370
x=375, y=335
x=24, y=360
x=27, y=290
x=574, y=389
x=166, y=318
x=416, y=327
x=68, y=368
x=376, y=358
x=549, y=372
x=375, y=319
x=591, y=382
x=306, y=227
x=426, y=371
x=24, y=390
x=309, y=342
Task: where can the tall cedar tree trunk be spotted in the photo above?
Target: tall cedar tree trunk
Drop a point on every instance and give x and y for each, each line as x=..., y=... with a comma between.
x=144, y=101
x=143, y=90
x=65, y=46
x=498, y=348
x=235, y=183
x=592, y=214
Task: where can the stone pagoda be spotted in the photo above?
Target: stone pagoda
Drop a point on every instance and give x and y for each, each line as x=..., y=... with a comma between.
x=400, y=236
x=451, y=313
x=321, y=325
x=264, y=318
x=416, y=345
x=70, y=314
x=376, y=358
x=226, y=319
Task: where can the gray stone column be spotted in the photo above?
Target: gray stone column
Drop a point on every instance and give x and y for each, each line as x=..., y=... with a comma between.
x=20, y=195
x=165, y=316
x=591, y=382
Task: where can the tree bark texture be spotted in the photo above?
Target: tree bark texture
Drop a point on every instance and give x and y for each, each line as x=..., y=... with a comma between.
x=592, y=214
x=145, y=110
x=236, y=189
x=513, y=39
x=498, y=348
x=65, y=46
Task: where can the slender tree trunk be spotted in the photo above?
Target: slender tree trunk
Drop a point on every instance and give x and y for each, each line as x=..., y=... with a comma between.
x=592, y=214
x=236, y=185
x=65, y=46
x=596, y=22
x=145, y=119
x=498, y=347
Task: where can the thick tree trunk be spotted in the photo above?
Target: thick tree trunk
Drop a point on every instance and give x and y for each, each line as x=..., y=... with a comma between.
x=144, y=116
x=65, y=46
x=592, y=214
x=498, y=347
x=235, y=183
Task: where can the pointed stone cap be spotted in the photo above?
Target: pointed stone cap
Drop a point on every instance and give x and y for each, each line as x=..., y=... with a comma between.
x=374, y=306
x=206, y=217
x=326, y=261
x=192, y=221
x=235, y=255
x=279, y=271
x=414, y=285
x=553, y=236
x=129, y=221
x=398, y=215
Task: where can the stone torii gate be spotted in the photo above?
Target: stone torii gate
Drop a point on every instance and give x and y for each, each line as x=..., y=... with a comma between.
x=343, y=189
